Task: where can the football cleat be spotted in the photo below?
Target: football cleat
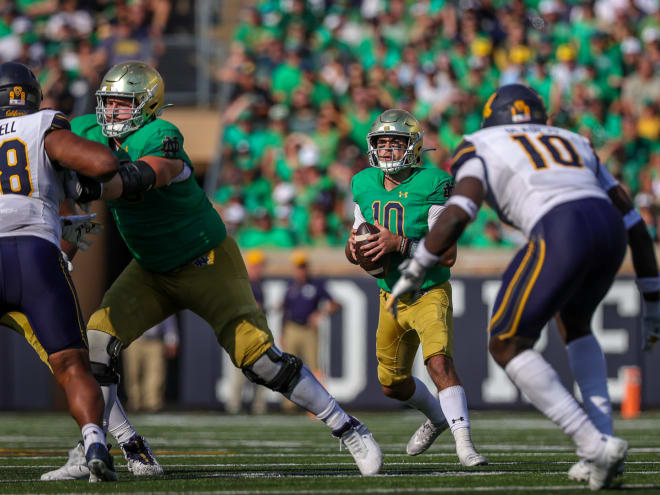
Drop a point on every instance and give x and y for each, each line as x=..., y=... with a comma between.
x=74, y=469
x=580, y=471
x=359, y=441
x=424, y=437
x=606, y=465
x=99, y=462
x=139, y=457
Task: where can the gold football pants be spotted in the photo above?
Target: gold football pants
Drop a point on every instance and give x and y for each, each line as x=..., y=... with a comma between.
x=427, y=319
x=216, y=287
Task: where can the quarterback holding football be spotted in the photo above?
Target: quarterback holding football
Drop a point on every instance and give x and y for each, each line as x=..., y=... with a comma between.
x=403, y=200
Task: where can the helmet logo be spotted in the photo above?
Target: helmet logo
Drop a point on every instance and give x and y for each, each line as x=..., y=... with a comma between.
x=520, y=112
x=17, y=96
x=487, y=110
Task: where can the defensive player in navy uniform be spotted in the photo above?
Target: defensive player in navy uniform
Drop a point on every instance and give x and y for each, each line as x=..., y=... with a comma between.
x=408, y=199
x=549, y=183
x=35, y=146
x=183, y=259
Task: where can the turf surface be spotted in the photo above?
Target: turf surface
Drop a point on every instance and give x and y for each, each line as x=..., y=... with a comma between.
x=274, y=454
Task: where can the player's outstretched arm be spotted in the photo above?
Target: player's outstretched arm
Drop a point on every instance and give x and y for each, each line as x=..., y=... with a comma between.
x=461, y=209
x=81, y=155
x=644, y=262
x=149, y=172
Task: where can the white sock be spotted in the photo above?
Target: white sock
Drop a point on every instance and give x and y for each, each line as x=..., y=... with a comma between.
x=116, y=422
x=588, y=364
x=454, y=407
x=427, y=404
x=313, y=397
x=540, y=383
x=92, y=433
x=333, y=416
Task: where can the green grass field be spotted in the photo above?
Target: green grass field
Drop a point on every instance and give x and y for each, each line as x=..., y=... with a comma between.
x=214, y=453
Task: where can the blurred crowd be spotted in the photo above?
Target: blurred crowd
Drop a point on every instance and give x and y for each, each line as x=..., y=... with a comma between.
x=70, y=43
x=304, y=79
x=307, y=78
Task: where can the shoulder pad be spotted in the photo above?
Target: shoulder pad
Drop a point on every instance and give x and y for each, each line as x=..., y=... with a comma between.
x=59, y=122
x=462, y=153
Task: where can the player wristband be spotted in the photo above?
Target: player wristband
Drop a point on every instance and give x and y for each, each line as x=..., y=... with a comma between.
x=465, y=204
x=403, y=247
x=88, y=190
x=648, y=284
x=424, y=257
x=631, y=218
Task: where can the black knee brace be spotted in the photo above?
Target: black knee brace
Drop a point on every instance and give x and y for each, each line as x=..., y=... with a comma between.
x=287, y=376
x=108, y=374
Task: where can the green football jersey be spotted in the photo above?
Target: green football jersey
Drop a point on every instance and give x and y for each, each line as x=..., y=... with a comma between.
x=170, y=225
x=404, y=210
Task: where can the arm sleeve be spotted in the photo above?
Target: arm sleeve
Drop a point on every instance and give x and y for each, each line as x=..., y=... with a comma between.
x=359, y=218
x=473, y=167
x=434, y=213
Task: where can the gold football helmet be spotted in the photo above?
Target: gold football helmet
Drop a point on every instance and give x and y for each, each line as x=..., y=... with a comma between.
x=136, y=81
x=395, y=122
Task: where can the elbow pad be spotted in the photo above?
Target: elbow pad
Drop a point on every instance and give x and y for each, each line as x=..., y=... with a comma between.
x=136, y=177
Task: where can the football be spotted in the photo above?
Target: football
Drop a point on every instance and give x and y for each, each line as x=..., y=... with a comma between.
x=378, y=268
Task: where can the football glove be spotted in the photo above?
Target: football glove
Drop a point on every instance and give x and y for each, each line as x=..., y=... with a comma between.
x=80, y=188
x=76, y=228
x=650, y=323
x=412, y=276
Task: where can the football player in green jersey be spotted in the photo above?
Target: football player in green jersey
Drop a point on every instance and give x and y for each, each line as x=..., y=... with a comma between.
x=183, y=259
x=404, y=200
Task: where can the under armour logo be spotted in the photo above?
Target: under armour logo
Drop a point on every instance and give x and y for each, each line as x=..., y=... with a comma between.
x=403, y=194
x=459, y=419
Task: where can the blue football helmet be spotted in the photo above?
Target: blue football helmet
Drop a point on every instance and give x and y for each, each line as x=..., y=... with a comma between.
x=514, y=104
x=20, y=91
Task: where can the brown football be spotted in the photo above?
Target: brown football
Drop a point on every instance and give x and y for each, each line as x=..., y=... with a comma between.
x=376, y=268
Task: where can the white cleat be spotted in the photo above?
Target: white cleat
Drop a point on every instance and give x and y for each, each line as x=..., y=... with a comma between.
x=424, y=437
x=359, y=441
x=140, y=460
x=74, y=469
x=610, y=460
x=581, y=470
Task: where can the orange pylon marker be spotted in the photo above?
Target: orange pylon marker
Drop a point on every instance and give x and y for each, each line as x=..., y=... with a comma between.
x=632, y=392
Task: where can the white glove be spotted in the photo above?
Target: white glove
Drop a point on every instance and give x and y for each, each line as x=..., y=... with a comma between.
x=412, y=276
x=650, y=323
x=75, y=228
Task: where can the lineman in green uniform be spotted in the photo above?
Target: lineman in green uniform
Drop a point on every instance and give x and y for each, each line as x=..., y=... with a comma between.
x=183, y=259
x=404, y=199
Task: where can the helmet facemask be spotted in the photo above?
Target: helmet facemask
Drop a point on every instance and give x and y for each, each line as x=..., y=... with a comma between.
x=137, y=83
x=112, y=121
x=391, y=166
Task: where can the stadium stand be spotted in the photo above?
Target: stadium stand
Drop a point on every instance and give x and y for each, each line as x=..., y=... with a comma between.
x=307, y=78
